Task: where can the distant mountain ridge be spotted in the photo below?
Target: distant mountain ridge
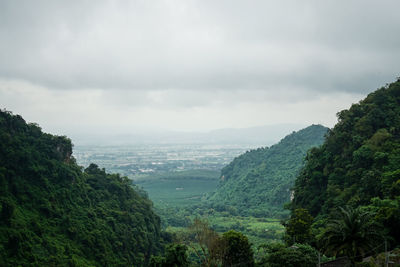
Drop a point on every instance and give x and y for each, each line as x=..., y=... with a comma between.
x=258, y=182
x=255, y=136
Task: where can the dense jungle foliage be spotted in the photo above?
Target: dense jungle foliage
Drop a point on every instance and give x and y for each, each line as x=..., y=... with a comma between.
x=359, y=163
x=52, y=213
x=259, y=182
x=347, y=197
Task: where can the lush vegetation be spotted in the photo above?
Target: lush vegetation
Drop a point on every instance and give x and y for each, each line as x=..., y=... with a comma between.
x=175, y=256
x=258, y=230
x=353, y=234
x=346, y=197
x=176, y=189
x=360, y=158
x=209, y=248
x=259, y=182
x=179, y=198
x=55, y=214
x=236, y=250
x=350, y=186
x=297, y=255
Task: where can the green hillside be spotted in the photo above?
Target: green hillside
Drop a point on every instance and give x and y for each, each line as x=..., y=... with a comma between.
x=53, y=213
x=359, y=163
x=258, y=182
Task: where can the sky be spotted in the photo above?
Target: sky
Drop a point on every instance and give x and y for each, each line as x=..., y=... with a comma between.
x=82, y=67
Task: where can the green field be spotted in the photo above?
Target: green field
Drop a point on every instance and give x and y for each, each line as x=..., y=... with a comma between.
x=179, y=198
x=259, y=231
x=179, y=188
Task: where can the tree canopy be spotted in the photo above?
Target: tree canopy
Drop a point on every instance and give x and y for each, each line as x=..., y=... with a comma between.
x=358, y=164
x=297, y=255
x=54, y=213
x=236, y=250
x=354, y=234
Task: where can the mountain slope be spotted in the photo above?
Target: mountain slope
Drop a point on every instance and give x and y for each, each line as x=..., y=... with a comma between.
x=259, y=181
x=54, y=214
x=359, y=163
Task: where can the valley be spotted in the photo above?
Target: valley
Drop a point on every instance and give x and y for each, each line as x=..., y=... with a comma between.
x=178, y=179
x=214, y=183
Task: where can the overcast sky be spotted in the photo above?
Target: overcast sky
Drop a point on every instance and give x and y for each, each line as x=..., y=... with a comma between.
x=125, y=66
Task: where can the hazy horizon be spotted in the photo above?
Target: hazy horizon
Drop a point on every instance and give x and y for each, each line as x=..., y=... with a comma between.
x=258, y=136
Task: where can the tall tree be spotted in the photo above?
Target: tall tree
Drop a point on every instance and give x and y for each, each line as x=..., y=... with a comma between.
x=358, y=164
x=354, y=234
x=207, y=240
x=298, y=227
x=175, y=256
x=236, y=250
x=297, y=255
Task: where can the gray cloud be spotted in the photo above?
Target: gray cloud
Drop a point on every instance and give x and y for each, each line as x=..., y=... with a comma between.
x=201, y=45
x=117, y=66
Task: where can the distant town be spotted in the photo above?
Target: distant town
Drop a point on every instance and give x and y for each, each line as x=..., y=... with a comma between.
x=136, y=160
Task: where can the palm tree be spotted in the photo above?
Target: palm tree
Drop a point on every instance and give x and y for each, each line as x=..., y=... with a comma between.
x=354, y=234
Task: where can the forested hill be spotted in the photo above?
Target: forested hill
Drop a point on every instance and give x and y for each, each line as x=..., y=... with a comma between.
x=52, y=213
x=258, y=182
x=359, y=163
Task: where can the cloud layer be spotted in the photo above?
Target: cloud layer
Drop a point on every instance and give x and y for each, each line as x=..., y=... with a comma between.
x=212, y=60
